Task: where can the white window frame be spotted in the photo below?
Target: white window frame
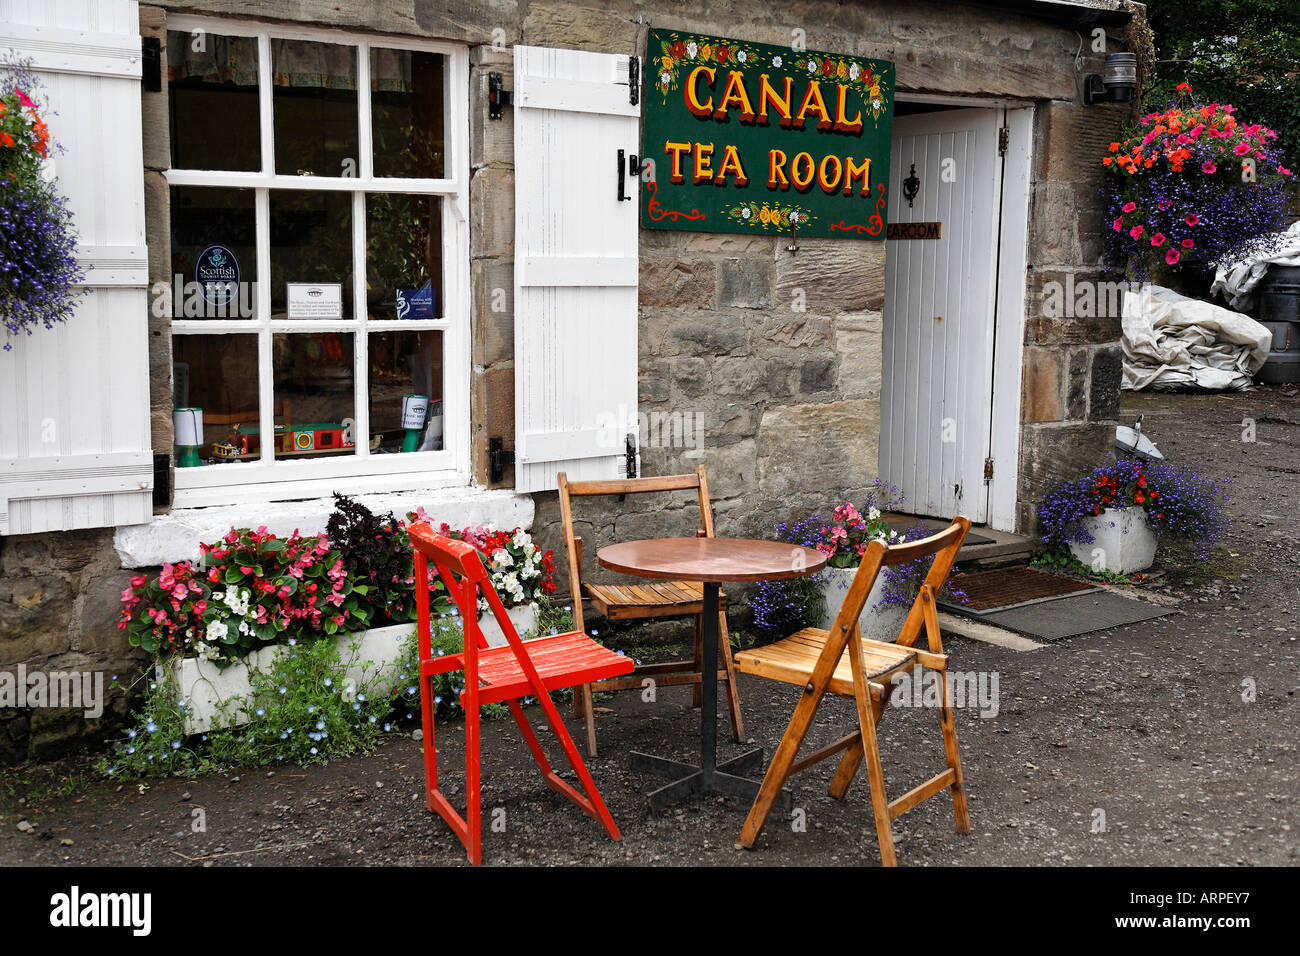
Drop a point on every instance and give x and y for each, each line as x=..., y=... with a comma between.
x=265, y=478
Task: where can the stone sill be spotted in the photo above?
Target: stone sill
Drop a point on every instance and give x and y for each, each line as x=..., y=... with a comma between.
x=176, y=536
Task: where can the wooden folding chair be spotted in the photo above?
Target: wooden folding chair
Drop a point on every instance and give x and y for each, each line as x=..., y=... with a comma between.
x=493, y=674
x=814, y=659
x=662, y=599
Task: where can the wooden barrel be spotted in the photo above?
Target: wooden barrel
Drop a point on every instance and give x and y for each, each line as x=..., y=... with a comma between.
x=1278, y=298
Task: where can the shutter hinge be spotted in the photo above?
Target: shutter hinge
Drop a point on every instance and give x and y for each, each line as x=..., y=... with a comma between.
x=634, y=79
x=1004, y=139
x=498, y=97
x=988, y=469
x=631, y=455
x=498, y=458
x=151, y=64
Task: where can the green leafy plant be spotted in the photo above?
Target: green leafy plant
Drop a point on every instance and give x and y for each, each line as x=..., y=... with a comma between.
x=1060, y=559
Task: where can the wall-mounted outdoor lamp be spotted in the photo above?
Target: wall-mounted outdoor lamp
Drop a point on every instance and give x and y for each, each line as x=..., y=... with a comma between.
x=1115, y=84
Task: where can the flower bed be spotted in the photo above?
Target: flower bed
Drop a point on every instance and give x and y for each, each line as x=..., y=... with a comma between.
x=784, y=606
x=1176, y=503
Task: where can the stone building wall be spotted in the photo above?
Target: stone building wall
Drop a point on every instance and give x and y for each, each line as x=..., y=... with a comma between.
x=790, y=399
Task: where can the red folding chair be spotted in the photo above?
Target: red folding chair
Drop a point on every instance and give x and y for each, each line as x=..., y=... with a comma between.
x=494, y=674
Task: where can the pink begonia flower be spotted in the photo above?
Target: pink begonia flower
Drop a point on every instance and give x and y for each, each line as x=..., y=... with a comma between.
x=127, y=594
x=1172, y=257
x=180, y=592
x=1130, y=206
x=137, y=580
x=1136, y=231
x=1209, y=168
x=1158, y=239
x=1118, y=225
x=1192, y=220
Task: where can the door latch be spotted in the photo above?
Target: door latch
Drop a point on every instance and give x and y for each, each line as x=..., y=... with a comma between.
x=498, y=459
x=627, y=166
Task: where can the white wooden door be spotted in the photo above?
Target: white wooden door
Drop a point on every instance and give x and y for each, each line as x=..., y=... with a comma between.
x=74, y=400
x=575, y=266
x=937, y=381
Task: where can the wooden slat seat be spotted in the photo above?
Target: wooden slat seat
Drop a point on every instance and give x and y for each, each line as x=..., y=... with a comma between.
x=561, y=660
x=620, y=602
x=792, y=660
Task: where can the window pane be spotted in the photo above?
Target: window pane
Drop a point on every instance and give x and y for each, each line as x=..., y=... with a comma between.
x=218, y=375
x=405, y=364
x=314, y=108
x=406, y=113
x=313, y=394
x=212, y=97
x=214, y=260
x=404, y=256
x=311, y=245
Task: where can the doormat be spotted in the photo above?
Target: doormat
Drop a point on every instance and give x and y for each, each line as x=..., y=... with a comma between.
x=1076, y=614
x=1002, y=588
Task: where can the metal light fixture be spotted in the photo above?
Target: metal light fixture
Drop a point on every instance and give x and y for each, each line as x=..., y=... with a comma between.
x=1115, y=84
x=188, y=423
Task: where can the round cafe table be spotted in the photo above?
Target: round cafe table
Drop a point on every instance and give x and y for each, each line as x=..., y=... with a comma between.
x=711, y=561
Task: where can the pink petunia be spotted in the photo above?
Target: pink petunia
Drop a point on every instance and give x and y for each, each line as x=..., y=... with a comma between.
x=1172, y=257
x=1241, y=149
x=1118, y=225
x=1158, y=239
x=1209, y=168
x=1188, y=244
x=24, y=99
x=1192, y=220
x=1130, y=206
x=1284, y=171
x=1136, y=232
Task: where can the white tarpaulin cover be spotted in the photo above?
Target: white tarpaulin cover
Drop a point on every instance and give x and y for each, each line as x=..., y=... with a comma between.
x=1171, y=341
x=1237, y=280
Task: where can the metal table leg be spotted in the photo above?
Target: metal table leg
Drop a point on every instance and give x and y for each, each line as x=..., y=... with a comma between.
x=710, y=776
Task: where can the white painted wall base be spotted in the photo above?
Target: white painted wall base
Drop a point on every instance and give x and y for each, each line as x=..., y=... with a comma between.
x=881, y=625
x=176, y=536
x=1122, y=543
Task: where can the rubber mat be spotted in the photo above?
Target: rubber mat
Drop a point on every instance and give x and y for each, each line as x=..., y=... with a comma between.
x=1076, y=614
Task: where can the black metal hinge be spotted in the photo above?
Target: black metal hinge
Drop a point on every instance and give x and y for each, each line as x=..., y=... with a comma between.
x=498, y=97
x=988, y=469
x=498, y=459
x=151, y=64
x=162, y=480
x=634, y=80
x=1004, y=139
x=631, y=455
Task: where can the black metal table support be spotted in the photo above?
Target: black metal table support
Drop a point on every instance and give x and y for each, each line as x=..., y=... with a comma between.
x=710, y=776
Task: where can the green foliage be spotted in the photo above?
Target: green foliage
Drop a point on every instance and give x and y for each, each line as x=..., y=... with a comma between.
x=1062, y=559
x=1243, y=52
x=302, y=710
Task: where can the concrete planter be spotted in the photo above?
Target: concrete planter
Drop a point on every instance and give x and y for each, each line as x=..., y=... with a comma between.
x=1122, y=542
x=369, y=657
x=876, y=625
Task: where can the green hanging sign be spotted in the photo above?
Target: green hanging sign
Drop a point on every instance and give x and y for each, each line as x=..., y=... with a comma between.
x=754, y=139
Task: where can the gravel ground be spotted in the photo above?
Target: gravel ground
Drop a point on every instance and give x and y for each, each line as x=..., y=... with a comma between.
x=1142, y=727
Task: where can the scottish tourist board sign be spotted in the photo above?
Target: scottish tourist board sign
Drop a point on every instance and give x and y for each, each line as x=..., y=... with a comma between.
x=753, y=139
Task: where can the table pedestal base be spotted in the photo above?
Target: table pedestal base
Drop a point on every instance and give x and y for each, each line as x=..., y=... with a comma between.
x=689, y=779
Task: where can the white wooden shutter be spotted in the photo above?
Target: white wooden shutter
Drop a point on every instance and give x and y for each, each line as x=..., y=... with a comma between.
x=575, y=266
x=74, y=400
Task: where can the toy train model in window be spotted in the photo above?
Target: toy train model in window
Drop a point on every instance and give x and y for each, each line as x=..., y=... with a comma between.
x=322, y=438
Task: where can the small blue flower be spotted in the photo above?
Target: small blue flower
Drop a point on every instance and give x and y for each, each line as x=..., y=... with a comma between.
x=151, y=726
x=320, y=725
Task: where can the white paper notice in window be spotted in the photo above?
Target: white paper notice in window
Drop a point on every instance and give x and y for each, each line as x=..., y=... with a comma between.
x=318, y=300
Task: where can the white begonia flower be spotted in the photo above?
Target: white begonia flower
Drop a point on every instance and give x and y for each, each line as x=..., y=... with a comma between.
x=873, y=513
x=217, y=630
